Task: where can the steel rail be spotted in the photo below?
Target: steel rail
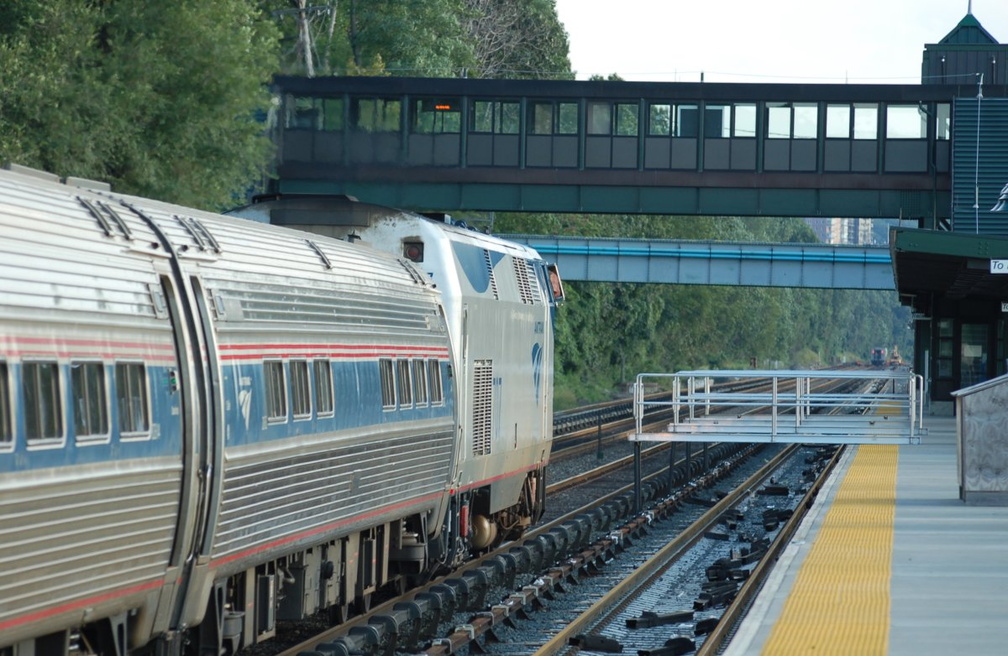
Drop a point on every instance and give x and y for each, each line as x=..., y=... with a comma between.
x=660, y=561
x=736, y=611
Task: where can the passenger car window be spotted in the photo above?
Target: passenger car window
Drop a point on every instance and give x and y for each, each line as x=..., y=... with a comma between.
x=323, y=386
x=42, y=407
x=387, y=383
x=6, y=419
x=420, y=382
x=90, y=400
x=276, y=391
x=405, y=387
x=434, y=382
x=300, y=390
x=131, y=397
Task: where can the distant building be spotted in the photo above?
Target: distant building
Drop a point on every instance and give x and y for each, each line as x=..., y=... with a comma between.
x=855, y=232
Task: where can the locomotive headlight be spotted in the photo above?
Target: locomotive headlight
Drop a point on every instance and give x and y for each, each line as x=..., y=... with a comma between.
x=413, y=251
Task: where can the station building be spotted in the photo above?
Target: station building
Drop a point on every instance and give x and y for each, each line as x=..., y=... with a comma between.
x=954, y=276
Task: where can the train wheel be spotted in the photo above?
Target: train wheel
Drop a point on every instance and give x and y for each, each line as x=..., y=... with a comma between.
x=339, y=613
x=363, y=604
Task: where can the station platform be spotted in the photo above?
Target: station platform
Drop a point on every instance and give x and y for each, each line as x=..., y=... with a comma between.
x=888, y=561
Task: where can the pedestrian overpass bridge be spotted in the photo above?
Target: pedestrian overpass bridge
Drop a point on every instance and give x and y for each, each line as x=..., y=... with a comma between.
x=911, y=152
x=797, y=150
x=822, y=266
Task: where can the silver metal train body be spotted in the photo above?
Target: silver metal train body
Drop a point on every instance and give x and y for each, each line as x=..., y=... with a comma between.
x=499, y=298
x=209, y=425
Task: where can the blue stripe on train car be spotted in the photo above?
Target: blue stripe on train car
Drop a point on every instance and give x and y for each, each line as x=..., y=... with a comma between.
x=358, y=403
x=163, y=439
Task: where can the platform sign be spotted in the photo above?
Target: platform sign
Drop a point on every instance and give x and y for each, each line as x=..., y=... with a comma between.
x=999, y=266
x=1004, y=306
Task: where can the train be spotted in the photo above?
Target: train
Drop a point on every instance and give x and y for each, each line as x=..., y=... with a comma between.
x=880, y=357
x=211, y=425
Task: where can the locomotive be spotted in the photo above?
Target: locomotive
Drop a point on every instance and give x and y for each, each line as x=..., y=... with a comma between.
x=210, y=425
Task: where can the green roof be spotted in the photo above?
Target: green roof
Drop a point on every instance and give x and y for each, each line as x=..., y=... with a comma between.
x=951, y=265
x=969, y=30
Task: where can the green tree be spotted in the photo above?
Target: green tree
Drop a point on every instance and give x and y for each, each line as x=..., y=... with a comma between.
x=517, y=39
x=160, y=99
x=373, y=37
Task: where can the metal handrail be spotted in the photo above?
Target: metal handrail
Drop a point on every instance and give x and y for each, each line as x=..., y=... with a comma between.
x=798, y=406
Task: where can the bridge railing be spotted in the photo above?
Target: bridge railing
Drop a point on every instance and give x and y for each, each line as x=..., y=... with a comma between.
x=864, y=406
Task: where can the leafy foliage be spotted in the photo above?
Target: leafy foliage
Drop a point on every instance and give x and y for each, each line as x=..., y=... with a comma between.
x=436, y=38
x=160, y=99
x=165, y=99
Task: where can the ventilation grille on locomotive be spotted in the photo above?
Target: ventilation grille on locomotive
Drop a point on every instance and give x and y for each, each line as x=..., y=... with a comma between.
x=490, y=273
x=482, y=412
x=525, y=276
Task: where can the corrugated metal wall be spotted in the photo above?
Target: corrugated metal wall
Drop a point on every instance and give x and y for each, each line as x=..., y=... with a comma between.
x=979, y=165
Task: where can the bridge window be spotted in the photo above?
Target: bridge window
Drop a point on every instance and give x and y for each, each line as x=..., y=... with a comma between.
x=673, y=120
x=496, y=116
x=838, y=121
x=40, y=395
x=717, y=121
x=90, y=401
x=744, y=120
x=131, y=397
x=304, y=113
x=778, y=120
x=687, y=121
x=437, y=116
x=599, y=118
x=906, y=122
x=545, y=117
x=806, y=121
x=865, y=121
x=659, y=120
x=540, y=118
x=792, y=121
x=567, y=118
x=840, y=126
x=375, y=114
x=626, y=119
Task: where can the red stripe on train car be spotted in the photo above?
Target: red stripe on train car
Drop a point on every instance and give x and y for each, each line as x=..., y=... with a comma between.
x=255, y=352
x=79, y=604
x=21, y=346
x=516, y=472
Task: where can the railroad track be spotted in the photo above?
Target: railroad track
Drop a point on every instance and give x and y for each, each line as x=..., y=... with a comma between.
x=500, y=572
x=691, y=590
x=571, y=538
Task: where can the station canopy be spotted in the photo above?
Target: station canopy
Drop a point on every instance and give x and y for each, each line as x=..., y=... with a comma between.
x=929, y=264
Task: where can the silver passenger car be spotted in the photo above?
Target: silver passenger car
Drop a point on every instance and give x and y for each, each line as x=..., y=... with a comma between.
x=207, y=424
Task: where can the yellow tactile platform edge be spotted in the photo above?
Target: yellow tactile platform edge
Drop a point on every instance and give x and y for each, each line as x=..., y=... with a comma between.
x=839, y=603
